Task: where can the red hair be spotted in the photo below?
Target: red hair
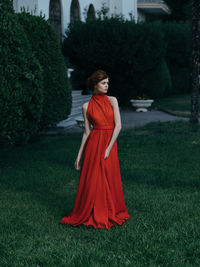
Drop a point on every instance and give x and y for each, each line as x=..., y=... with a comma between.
x=95, y=78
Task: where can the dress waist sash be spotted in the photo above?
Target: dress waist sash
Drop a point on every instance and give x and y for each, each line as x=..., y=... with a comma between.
x=108, y=127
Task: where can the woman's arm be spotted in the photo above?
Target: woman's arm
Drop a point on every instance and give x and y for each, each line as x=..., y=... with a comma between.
x=117, y=128
x=86, y=133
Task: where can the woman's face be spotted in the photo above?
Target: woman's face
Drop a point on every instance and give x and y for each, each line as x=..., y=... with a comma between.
x=102, y=86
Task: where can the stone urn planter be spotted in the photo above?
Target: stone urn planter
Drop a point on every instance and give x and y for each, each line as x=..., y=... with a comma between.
x=80, y=121
x=141, y=104
x=69, y=71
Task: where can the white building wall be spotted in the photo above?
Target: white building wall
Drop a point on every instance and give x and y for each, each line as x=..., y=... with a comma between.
x=42, y=6
x=66, y=14
x=66, y=10
x=30, y=5
x=115, y=7
x=141, y=16
x=129, y=6
x=135, y=10
x=15, y=5
x=98, y=4
x=84, y=4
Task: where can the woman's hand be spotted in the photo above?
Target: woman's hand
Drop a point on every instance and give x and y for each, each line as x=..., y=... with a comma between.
x=78, y=163
x=107, y=153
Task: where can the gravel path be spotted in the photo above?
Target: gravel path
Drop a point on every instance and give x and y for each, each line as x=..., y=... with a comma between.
x=131, y=119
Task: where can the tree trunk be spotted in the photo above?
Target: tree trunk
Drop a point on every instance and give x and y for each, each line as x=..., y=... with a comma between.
x=195, y=60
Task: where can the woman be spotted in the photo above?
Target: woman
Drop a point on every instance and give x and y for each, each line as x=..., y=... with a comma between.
x=99, y=199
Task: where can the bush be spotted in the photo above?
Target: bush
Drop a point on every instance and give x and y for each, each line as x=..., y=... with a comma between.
x=21, y=81
x=158, y=83
x=178, y=40
x=57, y=89
x=6, y=6
x=127, y=51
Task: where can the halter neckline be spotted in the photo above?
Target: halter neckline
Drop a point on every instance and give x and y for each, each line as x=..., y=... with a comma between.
x=98, y=95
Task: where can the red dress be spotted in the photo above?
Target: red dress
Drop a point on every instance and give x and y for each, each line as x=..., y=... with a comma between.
x=99, y=199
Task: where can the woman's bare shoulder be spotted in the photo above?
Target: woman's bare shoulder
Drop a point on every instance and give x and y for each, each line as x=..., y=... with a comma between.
x=113, y=99
x=85, y=105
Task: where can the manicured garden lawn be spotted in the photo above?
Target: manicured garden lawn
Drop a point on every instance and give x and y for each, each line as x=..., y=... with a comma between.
x=160, y=168
x=178, y=105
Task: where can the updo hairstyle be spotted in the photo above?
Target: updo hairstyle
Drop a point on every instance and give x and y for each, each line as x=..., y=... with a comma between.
x=95, y=78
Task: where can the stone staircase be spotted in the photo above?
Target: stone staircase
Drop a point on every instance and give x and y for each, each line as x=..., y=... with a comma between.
x=76, y=112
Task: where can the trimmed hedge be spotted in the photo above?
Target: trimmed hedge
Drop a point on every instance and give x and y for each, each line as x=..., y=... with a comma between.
x=178, y=39
x=46, y=47
x=129, y=52
x=159, y=78
x=21, y=81
x=151, y=58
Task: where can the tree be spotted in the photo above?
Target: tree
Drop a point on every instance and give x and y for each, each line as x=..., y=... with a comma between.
x=195, y=60
x=181, y=10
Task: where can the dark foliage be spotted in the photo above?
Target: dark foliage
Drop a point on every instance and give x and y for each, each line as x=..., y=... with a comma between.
x=129, y=52
x=45, y=45
x=21, y=81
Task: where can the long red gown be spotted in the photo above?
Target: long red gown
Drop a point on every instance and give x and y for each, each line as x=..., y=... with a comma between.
x=99, y=199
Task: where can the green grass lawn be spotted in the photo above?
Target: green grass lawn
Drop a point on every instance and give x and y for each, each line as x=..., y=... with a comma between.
x=179, y=105
x=160, y=168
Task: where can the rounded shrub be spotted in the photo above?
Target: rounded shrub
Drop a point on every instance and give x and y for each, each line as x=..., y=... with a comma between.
x=156, y=83
x=21, y=81
x=46, y=47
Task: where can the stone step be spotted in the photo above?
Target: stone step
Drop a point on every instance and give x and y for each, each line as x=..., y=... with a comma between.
x=76, y=92
x=80, y=97
x=76, y=95
x=66, y=123
x=81, y=100
x=76, y=111
x=77, y=107
x=70, y=120
x=78, y=104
